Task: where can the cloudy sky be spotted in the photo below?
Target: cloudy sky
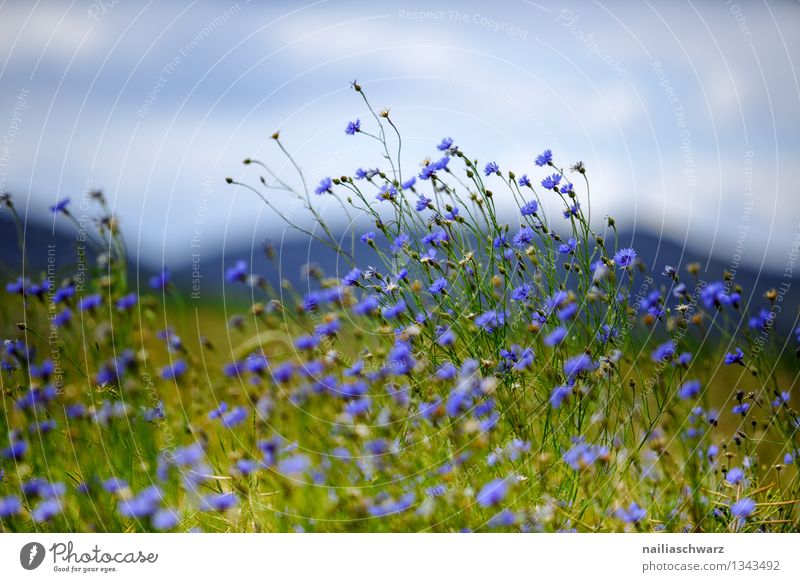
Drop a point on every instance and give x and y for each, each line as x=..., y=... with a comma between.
x=687, y=114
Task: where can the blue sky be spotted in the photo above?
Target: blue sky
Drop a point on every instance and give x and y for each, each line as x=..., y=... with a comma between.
x=687, y=114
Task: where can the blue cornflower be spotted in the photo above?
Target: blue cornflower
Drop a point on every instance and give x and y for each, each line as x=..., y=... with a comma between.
x=46, y=510
x=736, y=357
x=524, y=180
x=743, y=508
x=393, y=311
x=306, y=342
x=176, y=370
x=408, y=184
x=452, y=214
x=571, y=210
x=368, y=305
x=60, y=206
x=400, y=242
x=127, y=302
x=90, y=302
x=524, y=237
x=763, y=320
x=351, y=279
x=325, y=185
x=556, y=336
x=576, y=365
x=386, y=192
x=160, y=281
x=9, y=506
x=551, y=182
x=559, y=394
x=632, y=514
x=522, y=293
x=353, y=127
x=566, y=188
x=218, y=501
x=491, y=320
x=237, y=273
x=741, y=408
x=164, y=519
x=544, y=158
x=422, y=203
x=491, y=168
x=445, y=337
x=715, y=295
x=445, y=144
x=446, y=371
x=689, y=389
x=63, y=293
x=436, y=239
x=368, y=238
x=734, y=476
x=568, y=247
x=530, y=208
x=625, y=258
x=665, y=352
x=438, y=286
x=493, y=493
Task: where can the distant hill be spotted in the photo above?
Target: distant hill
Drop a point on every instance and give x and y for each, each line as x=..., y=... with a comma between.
x=292, y=257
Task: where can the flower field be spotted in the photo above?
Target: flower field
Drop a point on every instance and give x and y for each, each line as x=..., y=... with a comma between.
x=475, y=375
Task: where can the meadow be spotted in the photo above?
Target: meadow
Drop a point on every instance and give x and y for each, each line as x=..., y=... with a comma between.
x=474, y=376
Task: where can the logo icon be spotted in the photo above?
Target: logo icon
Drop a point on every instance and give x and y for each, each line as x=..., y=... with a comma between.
x=31, y=555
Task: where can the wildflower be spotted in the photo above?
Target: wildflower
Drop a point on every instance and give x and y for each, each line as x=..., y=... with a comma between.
x=159, y=282
x=439, y=286
x=524, y=237
x=551, y=182
x=743, y=508
x=174, y=371
x=9, y=506
x=490, y=320
x=493, y=493
x=90, y=302
x=568, y=247
x=559, y=394
x=689, y=389
x=46, y=510
x=556, y=336
x=325, y=186
x=63, y=293
x=633, y=514
x=572, y=210
x=567, y=188
x=306, y=342
x=127, y=302
x=445, y=337
x=737, y=357
x=734, y=476
x=714, y=295
x=237, y=273
x=60, y=206
x=445, y=144
x=545, y=158
x=351, y=279
x=368, y=238
x=394, y=310
x=625, y=258
x=741, y=408
x=665, y=352
x=577, y=365
x=368, y=305
x=522, y=293
x=218, y=501
x=400, y=242
x=164, y=519
x=582, y=455
x=353, y=127
x=530, y=208
x=423, y=203
x=408, y=184
x=491, y=168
